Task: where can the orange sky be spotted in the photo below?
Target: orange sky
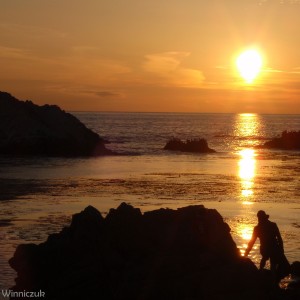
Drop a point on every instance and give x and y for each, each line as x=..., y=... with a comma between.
x=159, y=55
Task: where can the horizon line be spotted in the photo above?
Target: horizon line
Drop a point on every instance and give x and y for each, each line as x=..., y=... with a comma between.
x=178, y=112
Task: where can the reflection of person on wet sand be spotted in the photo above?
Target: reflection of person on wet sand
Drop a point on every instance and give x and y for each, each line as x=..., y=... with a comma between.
x=271, y=245
x=293, y=287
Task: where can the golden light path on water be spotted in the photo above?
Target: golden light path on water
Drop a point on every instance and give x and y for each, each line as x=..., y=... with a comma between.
x=247, y=127
x=247, y=172
x=247, y=167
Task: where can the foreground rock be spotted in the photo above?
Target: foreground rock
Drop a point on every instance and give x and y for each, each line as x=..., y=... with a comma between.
x=29, y=129
x=287, y=141
x=163, y=254
x=194, y=145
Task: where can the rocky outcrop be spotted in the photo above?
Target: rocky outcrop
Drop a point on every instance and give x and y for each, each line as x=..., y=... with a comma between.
x=287, y=141
x=186, y=253
x=29, y=129
x=194, y=145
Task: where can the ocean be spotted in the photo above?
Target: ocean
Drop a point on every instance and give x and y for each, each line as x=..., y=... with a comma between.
x=39, y=195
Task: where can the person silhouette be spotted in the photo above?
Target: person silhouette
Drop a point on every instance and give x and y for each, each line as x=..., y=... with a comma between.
x=271, y=244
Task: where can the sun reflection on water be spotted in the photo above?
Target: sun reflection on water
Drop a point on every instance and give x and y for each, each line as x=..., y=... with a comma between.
x=247, y=164
x=247, y=172
x=247, y=129
x=244, y=232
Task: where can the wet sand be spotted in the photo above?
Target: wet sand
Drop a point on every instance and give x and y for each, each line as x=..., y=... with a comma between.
x=33, y=208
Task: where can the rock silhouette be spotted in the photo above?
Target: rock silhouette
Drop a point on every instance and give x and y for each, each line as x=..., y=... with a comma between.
x=289, y=140
x=193, y=145
x=186, y=253
x=29, y=129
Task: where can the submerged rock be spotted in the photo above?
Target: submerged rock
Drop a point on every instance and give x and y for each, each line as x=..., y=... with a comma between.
x=29, y=129
x=194, y=145
x=287, y=141
x=186, y=253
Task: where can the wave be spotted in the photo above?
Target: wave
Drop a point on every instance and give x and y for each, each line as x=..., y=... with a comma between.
x=236, y=137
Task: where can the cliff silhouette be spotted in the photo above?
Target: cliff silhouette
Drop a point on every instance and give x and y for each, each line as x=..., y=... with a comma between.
x=32, y=130
x=289, y=140
x=180, y=254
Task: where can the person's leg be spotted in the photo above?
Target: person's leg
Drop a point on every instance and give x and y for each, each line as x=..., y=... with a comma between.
x=263, y=262
x=274, y=269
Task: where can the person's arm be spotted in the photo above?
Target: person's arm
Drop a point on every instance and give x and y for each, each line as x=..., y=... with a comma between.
x=251, y=242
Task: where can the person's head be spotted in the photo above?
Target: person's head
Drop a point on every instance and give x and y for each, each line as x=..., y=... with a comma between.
x=262, y=216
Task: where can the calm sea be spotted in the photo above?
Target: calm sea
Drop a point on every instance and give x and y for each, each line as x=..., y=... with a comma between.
x=38, y=196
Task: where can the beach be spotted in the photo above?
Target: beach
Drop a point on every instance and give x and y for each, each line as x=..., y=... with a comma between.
x=40, y=195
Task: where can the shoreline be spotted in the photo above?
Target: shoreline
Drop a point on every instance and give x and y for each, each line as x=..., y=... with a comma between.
x=241, y=220
x=172, y=243
x=59, y=188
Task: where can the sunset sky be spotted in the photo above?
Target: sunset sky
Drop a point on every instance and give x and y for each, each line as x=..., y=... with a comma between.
x=159, y=55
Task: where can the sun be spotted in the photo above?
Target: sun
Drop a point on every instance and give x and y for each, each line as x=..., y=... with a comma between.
x=249, y=64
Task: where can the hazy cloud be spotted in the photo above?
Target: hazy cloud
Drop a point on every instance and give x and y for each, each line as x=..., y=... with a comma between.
x=168, y=66
x=162, y=63
x=88, y=65
x=296, y=70
x=270, y=70
x=87, y=90
x=104, y=94
x=15, y=53
x=31, y=32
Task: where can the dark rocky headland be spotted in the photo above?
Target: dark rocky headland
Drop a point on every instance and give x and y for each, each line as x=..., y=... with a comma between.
x=32, y=130
x=181, y=254
x=192, y=145
x=289, y=140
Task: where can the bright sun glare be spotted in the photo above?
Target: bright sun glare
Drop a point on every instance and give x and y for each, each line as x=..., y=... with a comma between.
x=249, y=64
